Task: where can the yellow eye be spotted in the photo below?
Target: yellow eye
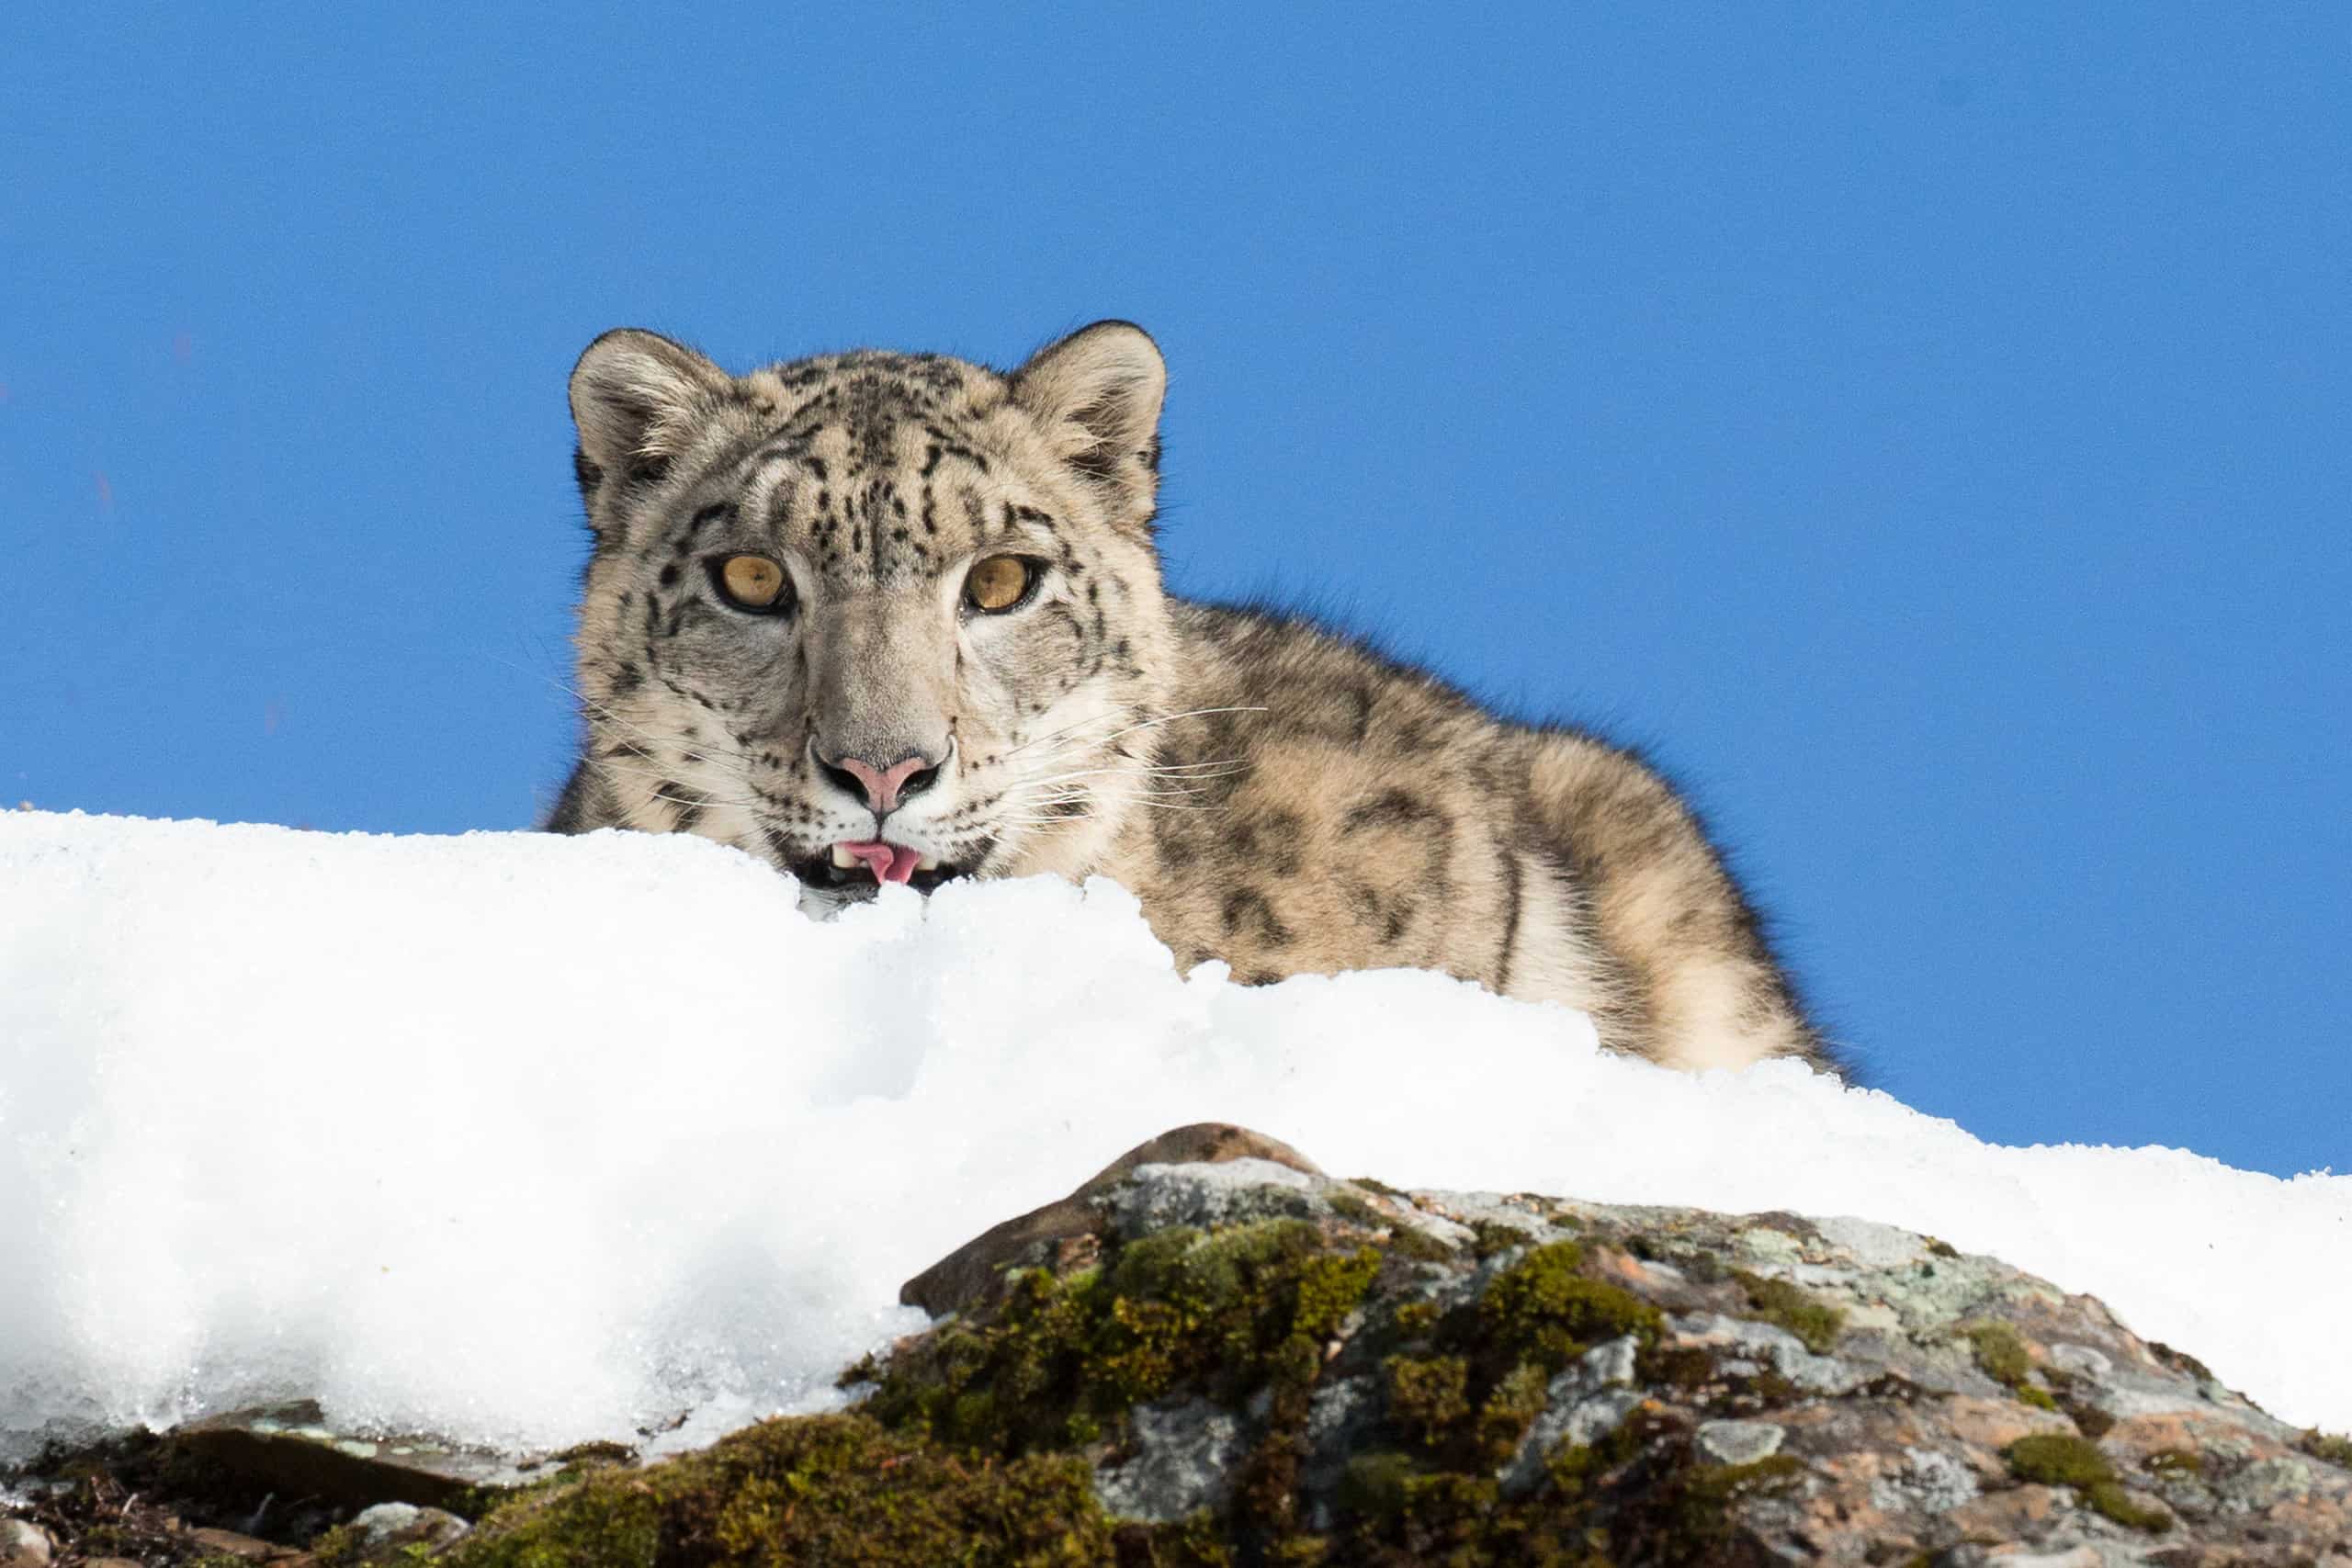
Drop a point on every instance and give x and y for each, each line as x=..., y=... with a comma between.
x=997, y=583
x=754, y=582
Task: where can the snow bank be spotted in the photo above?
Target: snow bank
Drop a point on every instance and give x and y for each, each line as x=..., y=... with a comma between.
x=528, y=1140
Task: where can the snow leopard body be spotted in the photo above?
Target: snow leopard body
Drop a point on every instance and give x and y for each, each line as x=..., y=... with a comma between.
x=1276, y=796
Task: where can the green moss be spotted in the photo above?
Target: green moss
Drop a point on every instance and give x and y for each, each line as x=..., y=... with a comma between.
x=2327, y=1445
x=2117, y=1504
x=832, y=1489
x=1376, y=1486
x=1195, y=1542
x=1815, y=1324
x=2181, y=1361
x=1938, y=1248
x=1509, y=1411
x=1224, y=1312
x=2001, y=1355
x=1700, y=1267
x=1427, y=1396
x=1408, y=1242
x=1701, y=1506
x=1686, y=1369
x=1541, y=1309
x=1463, y=1385
x=1392, y=1506
x=596, y=1524
x=337, y=1547
x=2055, y=1460
x=2000, y=1352
x=2177, y=1464
x=1664, y=1505
x=1437, y=1403
x=1325, y=1290
x=1489, y=1238
x=1415, y=1318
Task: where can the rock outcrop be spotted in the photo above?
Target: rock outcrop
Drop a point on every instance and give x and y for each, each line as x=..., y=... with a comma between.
x=1215, y=1353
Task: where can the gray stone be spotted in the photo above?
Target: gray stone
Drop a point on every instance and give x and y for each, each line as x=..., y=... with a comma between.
x=1739, y=1442
x=2081, y=1360
x=1768, y=1344
x=1931, y=1481
x=2270, y=1481
x=1610, y=1365
x=1239, y=1191
x=1185, y=1452
x=385, y=1519
x=1339, y=1413
x=1873, y=1246
x=1581, y=1406
x=388, y=1530
x=24, y=1544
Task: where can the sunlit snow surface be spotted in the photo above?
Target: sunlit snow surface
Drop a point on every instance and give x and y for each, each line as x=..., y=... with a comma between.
x=528, y=1140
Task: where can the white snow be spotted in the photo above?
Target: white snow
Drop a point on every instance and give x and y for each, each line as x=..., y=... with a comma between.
x=527, y=1140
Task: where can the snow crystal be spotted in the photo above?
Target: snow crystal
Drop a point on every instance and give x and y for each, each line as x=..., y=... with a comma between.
x=526, y=1141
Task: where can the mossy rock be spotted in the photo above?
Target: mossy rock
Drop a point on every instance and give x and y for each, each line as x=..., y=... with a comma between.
x=833, y=1489
x=1063, y=1358
x=979, y=1442
x=2056, y=1459
x=1778, y=1302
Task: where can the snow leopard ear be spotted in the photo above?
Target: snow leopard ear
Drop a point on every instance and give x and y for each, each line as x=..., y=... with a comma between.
x=636, y=397
x=1096, y=394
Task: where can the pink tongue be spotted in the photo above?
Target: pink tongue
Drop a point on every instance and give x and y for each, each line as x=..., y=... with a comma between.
x=887, y=861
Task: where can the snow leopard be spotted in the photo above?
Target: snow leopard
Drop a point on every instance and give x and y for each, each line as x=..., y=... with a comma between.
x=880, y=618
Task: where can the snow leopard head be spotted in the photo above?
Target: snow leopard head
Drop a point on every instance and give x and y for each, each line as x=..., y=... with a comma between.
x=872, y=617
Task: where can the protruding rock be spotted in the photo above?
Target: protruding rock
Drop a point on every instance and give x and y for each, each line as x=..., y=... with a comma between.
x=388, y=1532
x=1050, y=1235
x=1739, y=1442
x=290, y=1449
x=24, y=1544
x=1215, y=1349
x=245, y=1548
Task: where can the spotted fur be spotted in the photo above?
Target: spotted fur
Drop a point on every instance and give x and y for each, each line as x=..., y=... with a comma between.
x=1278, y=797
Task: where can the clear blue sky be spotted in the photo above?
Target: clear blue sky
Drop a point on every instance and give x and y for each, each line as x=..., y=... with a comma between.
x=1932, y=437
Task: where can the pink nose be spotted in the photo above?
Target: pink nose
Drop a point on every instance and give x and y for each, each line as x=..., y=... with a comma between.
x=884, y=787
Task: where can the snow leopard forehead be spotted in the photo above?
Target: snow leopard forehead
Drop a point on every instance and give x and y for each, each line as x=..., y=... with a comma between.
x=868, y=466
x=885, y=472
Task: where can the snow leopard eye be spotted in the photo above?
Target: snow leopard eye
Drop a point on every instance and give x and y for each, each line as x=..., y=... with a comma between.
x=999, y=583
x=754, y=584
